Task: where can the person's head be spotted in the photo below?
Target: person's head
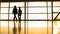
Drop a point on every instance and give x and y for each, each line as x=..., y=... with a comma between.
x=19, y=7
x=15, y=6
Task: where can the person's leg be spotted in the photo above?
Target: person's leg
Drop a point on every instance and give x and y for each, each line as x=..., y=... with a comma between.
x=14, y=17
x=18, y=16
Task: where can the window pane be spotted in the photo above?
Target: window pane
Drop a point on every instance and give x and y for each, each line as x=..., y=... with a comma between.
x=54, y=15
x=49, y=10
x=37, y=16
x=4, y=16
x=11, y=16
x=49, y=3
x=11, y=9
x=58, y=17
x=37, y=27
x=4, y=10
x=57, y=3
x=37, y=10
x=49, y=16
x=4, y=4
x=36, y=3
x=18, y=4
x=4, y=27
x=56, y=9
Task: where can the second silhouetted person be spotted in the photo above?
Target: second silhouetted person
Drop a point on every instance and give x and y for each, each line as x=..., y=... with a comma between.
x=19, y=13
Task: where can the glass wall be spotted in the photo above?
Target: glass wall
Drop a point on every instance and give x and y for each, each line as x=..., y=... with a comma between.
x=36, y=17
x=36, y=12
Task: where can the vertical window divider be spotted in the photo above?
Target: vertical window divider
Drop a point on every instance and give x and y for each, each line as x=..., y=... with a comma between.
x=47, y=15
x=25, y=18
x=0, y=17
x=8, y=16
x=52, y=14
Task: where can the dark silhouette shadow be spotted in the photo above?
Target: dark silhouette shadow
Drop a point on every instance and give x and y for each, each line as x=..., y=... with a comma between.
x=14, y=12
x=19, y=27
x=14, y=29
x=19, y=17
x=19, y=13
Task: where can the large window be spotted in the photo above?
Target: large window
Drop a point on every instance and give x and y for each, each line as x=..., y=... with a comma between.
x=36, y=17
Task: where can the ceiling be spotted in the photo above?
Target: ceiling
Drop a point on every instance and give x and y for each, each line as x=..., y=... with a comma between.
x=24, y=0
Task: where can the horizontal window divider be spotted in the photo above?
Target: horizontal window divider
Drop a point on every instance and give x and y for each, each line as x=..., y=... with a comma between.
x=27, y=13
x=29, y=20
x=26, y=7
x=31, y=13
x=32, y=7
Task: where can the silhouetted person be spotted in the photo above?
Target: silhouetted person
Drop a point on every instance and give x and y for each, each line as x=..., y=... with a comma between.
x=19, y=13
x=19, y=17
x=14, y=12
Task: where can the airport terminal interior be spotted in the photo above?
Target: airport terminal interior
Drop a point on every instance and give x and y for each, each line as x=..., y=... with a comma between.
x=38, y=17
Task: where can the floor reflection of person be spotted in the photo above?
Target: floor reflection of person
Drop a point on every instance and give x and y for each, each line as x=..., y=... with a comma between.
x=14, y=29
x=19, y=17
x=19, y=27
x=14, y=12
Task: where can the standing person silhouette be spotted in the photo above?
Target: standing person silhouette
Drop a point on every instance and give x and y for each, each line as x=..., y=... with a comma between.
x=14, y=12
x=19, y=13
x=19, y=17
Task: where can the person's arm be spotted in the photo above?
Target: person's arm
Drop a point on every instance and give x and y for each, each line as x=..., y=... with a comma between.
x=21, y=11
x=13, y=11
x=17, y=11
